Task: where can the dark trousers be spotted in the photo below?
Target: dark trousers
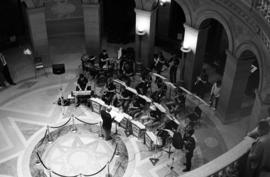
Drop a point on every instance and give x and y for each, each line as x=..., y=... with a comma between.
x=7, y=75
x=188, y=160
x=173, y=75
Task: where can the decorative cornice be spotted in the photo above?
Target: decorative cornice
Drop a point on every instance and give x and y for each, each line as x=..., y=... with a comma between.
x=246, y=19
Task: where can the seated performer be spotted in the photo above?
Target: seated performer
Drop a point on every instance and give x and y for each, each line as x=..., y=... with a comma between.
x=109, y=92
x=81, y=85
x=126, y=97
x=160, y=93
x=154, y=118
x=136, y=105
x=144, y=85
x=127, y=70
x=178, y=104
x=103, y=57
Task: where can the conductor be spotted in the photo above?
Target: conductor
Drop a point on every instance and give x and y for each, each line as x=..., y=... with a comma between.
x=107, y=123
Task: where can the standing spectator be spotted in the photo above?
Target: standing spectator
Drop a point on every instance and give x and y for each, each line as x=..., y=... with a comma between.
x=5, y=71
x=159, y=61
x=189, y=145
x=173, y=68
x=215, y=93
x=107, y=123
x=259, y=155
x=200, y=84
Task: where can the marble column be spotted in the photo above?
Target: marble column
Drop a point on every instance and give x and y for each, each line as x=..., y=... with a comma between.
x=193, y=62
x=145, y=44
x=38, y=33
x=92, y=27
x=234, y=83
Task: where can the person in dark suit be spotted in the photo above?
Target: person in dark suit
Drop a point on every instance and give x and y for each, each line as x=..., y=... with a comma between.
x=189, y=146
x=107, y=123
x=173, y=68
x=5, y=71
x=258, y=162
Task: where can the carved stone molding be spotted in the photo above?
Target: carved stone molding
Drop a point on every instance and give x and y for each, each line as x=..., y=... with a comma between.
x=246, y=19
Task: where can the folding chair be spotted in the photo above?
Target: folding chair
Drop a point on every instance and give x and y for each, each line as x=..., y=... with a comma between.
x=39, y=66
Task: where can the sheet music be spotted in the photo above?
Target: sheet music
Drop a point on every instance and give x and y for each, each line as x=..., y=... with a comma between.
x=132, y=90
x=160, y=107
x=147, y=99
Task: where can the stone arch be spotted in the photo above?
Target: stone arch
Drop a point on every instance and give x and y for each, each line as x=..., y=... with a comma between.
x=251, y=46
x=186, y=10
x=204, y=14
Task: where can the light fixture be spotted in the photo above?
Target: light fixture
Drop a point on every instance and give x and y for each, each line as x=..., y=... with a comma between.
x=27, y=52
x=190, y=39
x=143, y=19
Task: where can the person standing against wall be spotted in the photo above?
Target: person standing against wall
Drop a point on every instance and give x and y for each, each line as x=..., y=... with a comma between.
x=4, y=70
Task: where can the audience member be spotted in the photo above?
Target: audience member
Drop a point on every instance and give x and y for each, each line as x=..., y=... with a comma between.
x=159, y=61
x=259, y=155
x=200, y=85
x=5, y=71
x=215, y=94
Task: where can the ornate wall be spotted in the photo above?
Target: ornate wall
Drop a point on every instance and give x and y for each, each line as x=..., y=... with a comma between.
x=246, y=30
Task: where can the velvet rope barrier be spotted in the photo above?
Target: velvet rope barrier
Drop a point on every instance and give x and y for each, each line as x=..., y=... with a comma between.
x=61, y=125
x=85, y=122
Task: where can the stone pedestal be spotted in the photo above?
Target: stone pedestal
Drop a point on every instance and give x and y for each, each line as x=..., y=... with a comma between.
x=145, y=44
x=38, y=33
x=233, y=86
x=92, y=28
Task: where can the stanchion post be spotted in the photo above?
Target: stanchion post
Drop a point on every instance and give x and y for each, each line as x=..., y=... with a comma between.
x=49, y=135
x=108, y=174
x=74, y=128
x=100, y=129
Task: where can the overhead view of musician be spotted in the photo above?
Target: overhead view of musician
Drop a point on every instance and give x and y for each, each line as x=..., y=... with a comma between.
x=82, y=83
x=144, y=84
x=154, y=119
x=177, y=105
x=103, y=58
x=136, y=105
x=109, y=91
x=158, y=95
x=127, y=71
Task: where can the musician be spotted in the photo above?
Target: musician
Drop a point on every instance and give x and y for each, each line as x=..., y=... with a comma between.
x=84, y=60
x=143, y=86
x=136, y=105
x=189, y=146
x=82, y=83
x=159, y=61
x=160, y=93
x=103, y=57
x=127, y=70
x=109, y=91
x=154, y=118
x=126, y=97
x=178, y=104
x=107, y=123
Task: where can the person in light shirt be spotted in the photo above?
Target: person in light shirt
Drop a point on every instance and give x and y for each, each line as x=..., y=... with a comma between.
x=215, y=94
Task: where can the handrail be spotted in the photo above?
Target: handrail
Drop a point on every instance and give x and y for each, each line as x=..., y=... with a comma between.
x=222, y=161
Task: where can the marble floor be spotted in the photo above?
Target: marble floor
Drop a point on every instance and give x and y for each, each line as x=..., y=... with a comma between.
x=27, y=108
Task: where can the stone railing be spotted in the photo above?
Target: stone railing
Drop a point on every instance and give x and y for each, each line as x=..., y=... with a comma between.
x=230, y=164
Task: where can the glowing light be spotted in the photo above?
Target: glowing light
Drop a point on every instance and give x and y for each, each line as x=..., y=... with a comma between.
x=142, y=22
x=190, y=39
x=27, y=52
